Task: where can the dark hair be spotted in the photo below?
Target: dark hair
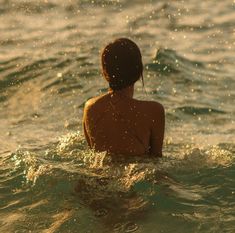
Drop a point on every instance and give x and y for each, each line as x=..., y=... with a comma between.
x=121, y=63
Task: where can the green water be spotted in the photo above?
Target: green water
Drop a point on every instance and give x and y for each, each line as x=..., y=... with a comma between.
x=49, y=66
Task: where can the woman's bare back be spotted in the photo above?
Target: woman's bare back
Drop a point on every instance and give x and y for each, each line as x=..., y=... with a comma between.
x=122, y=125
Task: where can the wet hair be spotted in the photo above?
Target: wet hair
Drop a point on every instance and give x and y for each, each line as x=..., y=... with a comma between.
x=121, y=63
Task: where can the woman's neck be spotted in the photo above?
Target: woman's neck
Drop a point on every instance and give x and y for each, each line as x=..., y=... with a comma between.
x=125, y=92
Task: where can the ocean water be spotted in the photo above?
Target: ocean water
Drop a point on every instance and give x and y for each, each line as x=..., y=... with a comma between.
x=49, y=66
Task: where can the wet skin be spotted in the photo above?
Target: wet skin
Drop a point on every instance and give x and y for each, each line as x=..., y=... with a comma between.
x=119, y=124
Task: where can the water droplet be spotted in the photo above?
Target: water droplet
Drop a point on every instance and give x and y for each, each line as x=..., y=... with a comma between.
x=59, y=75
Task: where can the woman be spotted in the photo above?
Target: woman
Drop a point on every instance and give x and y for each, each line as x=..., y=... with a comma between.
x=116, y=122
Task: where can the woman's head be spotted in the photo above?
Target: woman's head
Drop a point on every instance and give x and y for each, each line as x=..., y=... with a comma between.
x=121, y=63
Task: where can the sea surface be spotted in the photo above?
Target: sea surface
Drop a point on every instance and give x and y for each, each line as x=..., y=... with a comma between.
x=50, y=65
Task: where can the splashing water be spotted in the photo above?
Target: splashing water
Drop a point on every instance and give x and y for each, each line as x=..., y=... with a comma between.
x=49, y=66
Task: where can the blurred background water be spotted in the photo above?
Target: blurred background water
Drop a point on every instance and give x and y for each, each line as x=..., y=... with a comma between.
x=49, y=67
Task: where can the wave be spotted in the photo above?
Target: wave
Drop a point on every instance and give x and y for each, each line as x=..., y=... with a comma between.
x=40, y=6
x=202, y=28
x=71, y=154
x=69, y=177
x=27, y=7
x=182, y=70
x=25, y=73
x=199, y=110
x=59, y=74
x=168, y=61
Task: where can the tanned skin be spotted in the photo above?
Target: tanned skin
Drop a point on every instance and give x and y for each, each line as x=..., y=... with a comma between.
x=119, y=124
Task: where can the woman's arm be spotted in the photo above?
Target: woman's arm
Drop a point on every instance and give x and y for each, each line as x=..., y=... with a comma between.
x=157, y=130
x=84, y=127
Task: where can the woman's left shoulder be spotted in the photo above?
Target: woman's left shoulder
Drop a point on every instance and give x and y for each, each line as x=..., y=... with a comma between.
x=153, y=105
x=94, y=101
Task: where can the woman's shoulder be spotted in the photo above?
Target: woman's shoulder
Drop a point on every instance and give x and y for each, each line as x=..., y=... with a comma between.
x=153, y=112
x=150, y=105
x=96, y=102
